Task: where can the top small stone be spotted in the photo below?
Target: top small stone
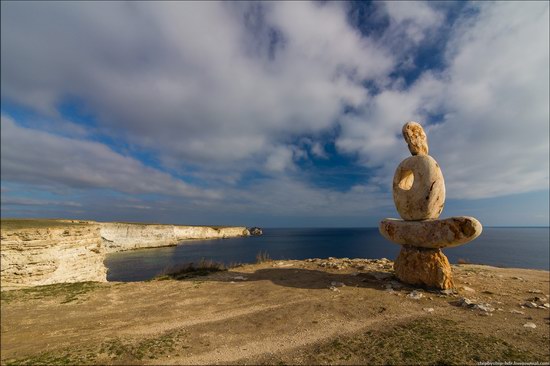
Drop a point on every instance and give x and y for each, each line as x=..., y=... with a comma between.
x=416, y=138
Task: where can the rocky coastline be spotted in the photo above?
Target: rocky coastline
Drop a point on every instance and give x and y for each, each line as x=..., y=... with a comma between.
x=43, y=252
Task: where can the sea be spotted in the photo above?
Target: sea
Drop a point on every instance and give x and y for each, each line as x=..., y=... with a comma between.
x=514, y=247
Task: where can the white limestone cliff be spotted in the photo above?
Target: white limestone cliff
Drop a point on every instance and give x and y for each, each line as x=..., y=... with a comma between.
x=43, y=256
x=120, y=236
x=74, y=252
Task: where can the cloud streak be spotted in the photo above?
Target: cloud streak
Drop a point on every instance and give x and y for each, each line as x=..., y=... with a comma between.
x=194, y=86
x=40, y=158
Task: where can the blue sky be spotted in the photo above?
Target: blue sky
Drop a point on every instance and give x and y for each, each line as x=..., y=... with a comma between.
x=272, y=113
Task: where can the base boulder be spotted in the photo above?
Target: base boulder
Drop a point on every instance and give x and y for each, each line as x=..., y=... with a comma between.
x=421, y=266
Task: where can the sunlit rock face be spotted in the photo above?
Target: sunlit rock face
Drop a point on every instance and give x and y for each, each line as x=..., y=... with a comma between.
x=419, y=188
x=43, y=256
x=416, y=138
x=121, y=236
x=74, y=252
x=255, y=231
x=419, y=197
x=434, y=234
x=424, y=267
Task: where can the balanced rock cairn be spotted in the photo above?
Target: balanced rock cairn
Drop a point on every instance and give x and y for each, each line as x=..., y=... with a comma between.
x=419, y=196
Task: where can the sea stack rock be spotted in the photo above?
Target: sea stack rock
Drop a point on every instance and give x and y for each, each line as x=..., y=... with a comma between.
x=419, y=196
x=255, y=231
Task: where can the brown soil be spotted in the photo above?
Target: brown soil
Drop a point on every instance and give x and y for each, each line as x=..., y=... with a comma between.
x=283, y=312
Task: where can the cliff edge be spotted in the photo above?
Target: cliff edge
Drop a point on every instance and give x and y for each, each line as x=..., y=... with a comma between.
x=118, y=237
x=43, y=252
x=328, y=311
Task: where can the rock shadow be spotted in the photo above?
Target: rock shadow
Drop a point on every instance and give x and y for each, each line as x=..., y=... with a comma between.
x=309, y=278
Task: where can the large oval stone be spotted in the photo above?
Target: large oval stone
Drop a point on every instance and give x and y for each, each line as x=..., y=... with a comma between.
x=445, y=233
x=419, y=188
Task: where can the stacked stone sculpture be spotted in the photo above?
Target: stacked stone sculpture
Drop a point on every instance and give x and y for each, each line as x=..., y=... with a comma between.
x=419, y=196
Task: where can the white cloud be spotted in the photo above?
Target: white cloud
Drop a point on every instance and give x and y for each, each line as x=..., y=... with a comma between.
x=280, y=160
x=318, y=150
x=493, y=139
x=412, y=19
x=21, y=201
x=286, y=197
x=36, y=157
x=182, y=72
x=227, y=88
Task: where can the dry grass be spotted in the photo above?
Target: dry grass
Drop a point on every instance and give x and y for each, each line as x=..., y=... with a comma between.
x=67, y=292
x=189, y=270
x=276, y=315
x=262, y=257
x=17, y=224
x=425, y=341
x=215, y=227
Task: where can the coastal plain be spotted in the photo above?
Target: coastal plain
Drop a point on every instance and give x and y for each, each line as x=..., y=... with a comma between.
x=316, y=311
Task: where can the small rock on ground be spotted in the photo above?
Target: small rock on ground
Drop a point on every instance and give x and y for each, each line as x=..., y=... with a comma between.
x=469, y=289
x=484, y=307
x=449, y=291
x=467, y=303
x=464, y=302
x=415, y=295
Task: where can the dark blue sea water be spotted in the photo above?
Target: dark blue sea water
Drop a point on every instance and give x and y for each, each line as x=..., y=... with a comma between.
x=503, y=247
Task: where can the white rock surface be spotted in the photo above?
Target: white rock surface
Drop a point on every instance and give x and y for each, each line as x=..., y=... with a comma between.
x=415, y=295
x=121, y=236
x=419, y=188
x=44, y=256
x=416, y=138
x=75, y=253
x=444, y=233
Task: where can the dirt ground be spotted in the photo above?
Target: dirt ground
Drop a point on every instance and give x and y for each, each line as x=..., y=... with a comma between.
x=283, y=312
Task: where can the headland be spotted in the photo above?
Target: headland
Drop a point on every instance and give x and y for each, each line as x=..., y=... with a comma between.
x=38, y=252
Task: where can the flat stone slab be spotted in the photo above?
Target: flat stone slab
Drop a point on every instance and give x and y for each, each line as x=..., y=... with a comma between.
x=444, y=233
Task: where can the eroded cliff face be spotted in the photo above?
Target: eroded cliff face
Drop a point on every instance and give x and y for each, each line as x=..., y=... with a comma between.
x=68, y=252
x=42, y=256
x=118, y=237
